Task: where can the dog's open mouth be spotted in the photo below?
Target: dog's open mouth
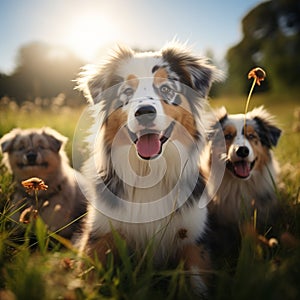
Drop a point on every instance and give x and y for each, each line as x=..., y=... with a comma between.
x=149, y=142
x=241, y=169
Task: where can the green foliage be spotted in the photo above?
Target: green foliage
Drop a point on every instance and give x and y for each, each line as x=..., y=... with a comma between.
x=271, y=40
x=42, y=265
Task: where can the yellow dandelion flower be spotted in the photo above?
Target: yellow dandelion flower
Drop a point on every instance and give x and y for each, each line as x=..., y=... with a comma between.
x=34, y=184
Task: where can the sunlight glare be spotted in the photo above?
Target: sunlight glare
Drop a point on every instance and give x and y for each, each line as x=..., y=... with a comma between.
x=89, y=33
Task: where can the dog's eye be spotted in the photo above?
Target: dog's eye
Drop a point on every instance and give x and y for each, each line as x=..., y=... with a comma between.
x=128, y=92
x=167, y=93
x=250, y=136
x=228, y=137
x=165, y=89
x=21, y=148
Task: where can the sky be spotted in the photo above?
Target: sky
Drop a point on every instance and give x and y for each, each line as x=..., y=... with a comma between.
x=89, y=27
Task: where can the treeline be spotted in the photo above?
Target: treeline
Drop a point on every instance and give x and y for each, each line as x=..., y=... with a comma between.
x=42, y=72
x=271, y=40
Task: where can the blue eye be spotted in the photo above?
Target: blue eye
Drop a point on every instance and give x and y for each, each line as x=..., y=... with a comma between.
x=167, y=93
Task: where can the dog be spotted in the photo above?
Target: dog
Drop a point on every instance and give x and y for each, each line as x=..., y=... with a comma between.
x=244, y=144
x=148, y=131
x=40, y=153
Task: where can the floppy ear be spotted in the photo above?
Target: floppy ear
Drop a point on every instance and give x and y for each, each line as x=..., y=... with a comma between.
x=203, y=75
x=268, y=132
x=94, y=80
x=56, y=140
x=193, y=71
x=218, y=117
x=7, y=140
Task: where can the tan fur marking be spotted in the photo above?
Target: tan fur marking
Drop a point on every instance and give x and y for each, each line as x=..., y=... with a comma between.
x=133, y=81
x=197, y=257
x=262, y=155
x=183, y=116
x=229, y=129
x=260, y=152
x=113, y=126
x=160, y=76
x=251, y=135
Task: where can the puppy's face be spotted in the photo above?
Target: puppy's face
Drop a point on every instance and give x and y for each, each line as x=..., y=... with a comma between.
x=151, y=111
x=150, y=98
x=248, y=147
x=33, y=152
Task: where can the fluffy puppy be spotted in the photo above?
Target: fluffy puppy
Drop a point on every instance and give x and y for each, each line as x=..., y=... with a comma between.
x=148, y=114
x=248, y=184
x=40, y=153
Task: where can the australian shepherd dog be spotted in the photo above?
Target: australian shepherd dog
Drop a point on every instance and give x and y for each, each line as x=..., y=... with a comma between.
x=148, y=131
x=247, y=191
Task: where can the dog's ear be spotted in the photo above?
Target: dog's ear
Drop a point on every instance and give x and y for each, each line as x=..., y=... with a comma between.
x=7, y=140
x=218, y=117
x=94, y=80
x=221, y=114
x=202, y=75
x=268, y=132
x=56, y=140
x=194, y=71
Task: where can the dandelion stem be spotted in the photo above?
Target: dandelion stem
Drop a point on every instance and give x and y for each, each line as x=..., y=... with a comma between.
x=248, y=100
x=36, y=198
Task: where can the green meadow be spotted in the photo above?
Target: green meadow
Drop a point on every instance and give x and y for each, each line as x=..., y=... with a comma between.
x=41, y=265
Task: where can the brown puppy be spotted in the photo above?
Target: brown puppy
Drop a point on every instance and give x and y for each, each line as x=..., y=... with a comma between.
x=40, y=153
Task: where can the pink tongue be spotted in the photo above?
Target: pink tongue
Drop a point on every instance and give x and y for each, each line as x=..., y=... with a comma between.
x=148, y=145
x=242, y=169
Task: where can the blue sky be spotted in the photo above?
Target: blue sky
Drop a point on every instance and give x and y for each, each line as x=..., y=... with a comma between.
x=86, y=27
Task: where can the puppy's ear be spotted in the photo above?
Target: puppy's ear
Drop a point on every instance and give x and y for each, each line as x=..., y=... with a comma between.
x=217, y=119
x=268, y=132
x=221, y=114
x=56, y=140
x=193, y=71
x=94, y=80
x=7, y=140
x=203, y=75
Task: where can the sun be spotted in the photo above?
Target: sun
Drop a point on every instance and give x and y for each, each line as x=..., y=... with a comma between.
x=89, y=33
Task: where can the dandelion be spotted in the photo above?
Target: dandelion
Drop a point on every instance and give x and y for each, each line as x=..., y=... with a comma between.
x=34, y=184
x=258, y=75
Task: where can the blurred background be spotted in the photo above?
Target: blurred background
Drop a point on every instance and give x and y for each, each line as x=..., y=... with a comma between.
x=44, y=43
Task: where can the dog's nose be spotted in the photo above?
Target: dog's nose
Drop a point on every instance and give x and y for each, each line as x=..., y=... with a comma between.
x=242, y=151
x=31, y=157
x=145, y=114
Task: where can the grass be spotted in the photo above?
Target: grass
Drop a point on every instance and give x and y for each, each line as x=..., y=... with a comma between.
x=42, y=266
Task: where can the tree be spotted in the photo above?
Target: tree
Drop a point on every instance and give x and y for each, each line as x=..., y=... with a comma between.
x=42, y=71
x=271, y=40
